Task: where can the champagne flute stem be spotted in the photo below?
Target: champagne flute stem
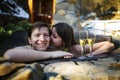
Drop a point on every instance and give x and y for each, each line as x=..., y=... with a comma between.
x=82, y=53
x=82, y=50
x=91, y=49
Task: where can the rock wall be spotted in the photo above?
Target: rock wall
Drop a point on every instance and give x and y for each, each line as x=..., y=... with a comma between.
x=107, y=68
x=68, y=11
x=20, y=71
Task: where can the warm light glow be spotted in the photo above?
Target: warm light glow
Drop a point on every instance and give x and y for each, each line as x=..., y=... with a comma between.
x=49, y=16
x=54, y=7
x=32, y=12
x=30, y=4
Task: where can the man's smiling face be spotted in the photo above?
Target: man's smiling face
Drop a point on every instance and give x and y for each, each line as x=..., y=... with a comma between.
x=40, y=38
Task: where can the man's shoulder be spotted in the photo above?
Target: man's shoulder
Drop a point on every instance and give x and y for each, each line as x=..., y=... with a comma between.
x=24, y=47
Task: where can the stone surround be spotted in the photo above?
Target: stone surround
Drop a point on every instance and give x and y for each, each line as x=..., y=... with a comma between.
x=68, y=11
x=107, y=68
x=102, y=69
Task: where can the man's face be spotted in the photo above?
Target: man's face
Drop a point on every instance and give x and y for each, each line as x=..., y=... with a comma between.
x=40, y=38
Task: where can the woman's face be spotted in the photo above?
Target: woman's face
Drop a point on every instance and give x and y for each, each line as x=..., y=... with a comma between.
x=56, y=40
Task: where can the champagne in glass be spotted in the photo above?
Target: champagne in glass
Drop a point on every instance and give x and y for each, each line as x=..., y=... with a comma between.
x=82, y=41
x=91, y=40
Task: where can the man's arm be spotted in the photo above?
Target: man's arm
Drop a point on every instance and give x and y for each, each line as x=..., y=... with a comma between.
x=27, y=55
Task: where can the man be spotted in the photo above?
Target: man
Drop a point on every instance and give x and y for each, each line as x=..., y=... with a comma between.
x=39, y=39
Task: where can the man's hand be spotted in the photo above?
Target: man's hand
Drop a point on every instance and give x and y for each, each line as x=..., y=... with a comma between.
x=58, y=54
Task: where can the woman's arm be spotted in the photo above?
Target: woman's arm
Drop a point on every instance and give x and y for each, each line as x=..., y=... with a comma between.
x=102, y=47
x=27, y=55
x=98, y=48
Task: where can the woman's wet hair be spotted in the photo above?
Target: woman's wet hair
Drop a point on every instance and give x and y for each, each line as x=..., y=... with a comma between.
x=65, y=31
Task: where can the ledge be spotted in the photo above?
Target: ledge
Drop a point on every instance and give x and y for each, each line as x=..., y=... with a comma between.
x=102, y=68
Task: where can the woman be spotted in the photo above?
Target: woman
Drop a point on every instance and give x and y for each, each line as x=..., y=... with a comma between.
x=63, y=39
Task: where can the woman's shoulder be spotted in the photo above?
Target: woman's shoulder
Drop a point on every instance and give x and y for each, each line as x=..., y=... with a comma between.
x=74, y=47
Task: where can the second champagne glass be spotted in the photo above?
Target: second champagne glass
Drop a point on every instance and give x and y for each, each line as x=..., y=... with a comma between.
x=82, y=41
x=90, y=40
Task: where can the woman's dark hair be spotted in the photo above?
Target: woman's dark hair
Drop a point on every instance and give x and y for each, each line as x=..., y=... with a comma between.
x=65, y=31
x=38, y=25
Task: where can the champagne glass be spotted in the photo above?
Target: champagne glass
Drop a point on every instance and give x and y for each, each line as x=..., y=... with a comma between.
x=90, y=40
x=82, y=42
